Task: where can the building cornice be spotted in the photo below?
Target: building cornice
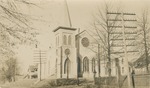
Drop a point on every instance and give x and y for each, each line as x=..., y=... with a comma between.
x=66, y=28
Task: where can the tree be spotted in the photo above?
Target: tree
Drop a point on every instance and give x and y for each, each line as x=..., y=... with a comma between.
x=143, y=23
x=14, y=24
x=15, y=28
x=103, y=31
x=111, y=33
x=10, y=70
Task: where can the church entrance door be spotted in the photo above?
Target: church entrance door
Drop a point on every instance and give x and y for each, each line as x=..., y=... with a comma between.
x=67, y=67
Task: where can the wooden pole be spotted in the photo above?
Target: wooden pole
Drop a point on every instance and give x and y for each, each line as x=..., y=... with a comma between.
x=146, y=51
x=40, y=66
x=61, y=64
x=118, y=72
x=78, y=62
x=124, y=41
x=98, y=60
x=125, y=52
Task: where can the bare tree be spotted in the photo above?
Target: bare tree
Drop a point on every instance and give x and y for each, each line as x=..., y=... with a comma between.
x=103, y=31
x=14, y=24
x=15, y=28
x=143, y=23
x=10, y=69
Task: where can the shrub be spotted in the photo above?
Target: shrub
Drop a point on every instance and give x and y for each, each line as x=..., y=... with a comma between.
x=53, y=83
x=90, y=86
x=45, y=84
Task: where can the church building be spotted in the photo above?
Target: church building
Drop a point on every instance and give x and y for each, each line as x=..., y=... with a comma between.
x=78, y=55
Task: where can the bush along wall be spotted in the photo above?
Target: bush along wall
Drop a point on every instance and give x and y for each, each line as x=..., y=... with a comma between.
x=111, y=82
x=64, y=81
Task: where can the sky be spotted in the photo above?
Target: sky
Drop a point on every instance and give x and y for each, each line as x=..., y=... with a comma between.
x=52, y=13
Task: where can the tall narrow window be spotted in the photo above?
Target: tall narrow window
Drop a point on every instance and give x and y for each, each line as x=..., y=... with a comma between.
x=65, y=40
x=58, y=40
x=93, y=65
x=122, y=61
x=85, y=64
x=69, y=39
x=106, y=71
x=122, y=70
x=49, y=66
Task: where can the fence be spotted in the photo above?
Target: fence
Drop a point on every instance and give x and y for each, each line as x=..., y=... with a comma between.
x=142, y=81
x=138, y=81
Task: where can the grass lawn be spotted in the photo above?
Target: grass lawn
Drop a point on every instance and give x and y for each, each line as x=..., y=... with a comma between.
x=51, y=84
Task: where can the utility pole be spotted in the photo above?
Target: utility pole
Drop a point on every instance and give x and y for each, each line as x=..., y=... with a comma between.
x=56, y=68
x=78, y=62
x=146, y=51
x=98, y=54
x=125, y=52
x=118, y=72
x=61, y=62
x=124, y=38
x=39, y=58
x=99, y=60
x=40, y=64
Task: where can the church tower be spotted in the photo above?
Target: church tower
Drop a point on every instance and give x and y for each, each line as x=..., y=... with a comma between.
x=66, y=63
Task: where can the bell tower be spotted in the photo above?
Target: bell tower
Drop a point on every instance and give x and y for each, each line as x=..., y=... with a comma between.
x=66, y=65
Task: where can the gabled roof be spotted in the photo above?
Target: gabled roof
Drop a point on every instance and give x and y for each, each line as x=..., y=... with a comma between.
x=141, y=61
x=66, y=28
x=80, y=33
x=32, y=68
x=84, y=31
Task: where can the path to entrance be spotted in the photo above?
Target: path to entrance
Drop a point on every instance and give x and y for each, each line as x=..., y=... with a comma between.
x=23, y=83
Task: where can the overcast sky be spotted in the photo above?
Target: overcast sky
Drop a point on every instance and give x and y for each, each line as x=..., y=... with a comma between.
x=52, y=14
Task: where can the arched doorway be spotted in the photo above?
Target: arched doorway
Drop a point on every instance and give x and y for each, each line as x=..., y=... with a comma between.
x=67, y=67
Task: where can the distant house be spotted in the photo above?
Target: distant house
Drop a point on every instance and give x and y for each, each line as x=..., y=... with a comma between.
x=32, y=71
x=140, y=64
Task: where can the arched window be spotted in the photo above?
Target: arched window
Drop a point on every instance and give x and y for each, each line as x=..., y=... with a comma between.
x=122, y=70
x=65, y=40
x=93, y=65
x=122, y=60
x=69, y=40
x=67, y=66
x=56, y=41
x=85, y=65
x=106, y=70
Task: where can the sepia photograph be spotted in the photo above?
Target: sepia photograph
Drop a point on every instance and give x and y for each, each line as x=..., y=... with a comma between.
x=74, y=43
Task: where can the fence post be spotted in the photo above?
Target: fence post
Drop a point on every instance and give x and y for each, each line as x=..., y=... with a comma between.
x=118, y=72
x=133, y=83
x=94, y=76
